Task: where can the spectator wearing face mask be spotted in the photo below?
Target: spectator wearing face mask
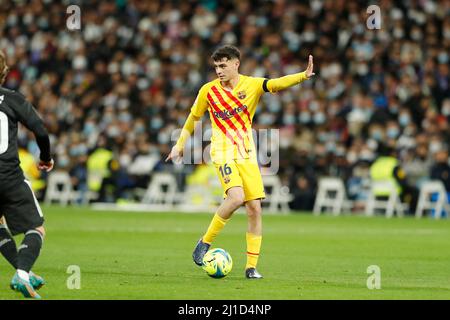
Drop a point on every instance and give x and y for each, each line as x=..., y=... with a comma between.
x=392, y=130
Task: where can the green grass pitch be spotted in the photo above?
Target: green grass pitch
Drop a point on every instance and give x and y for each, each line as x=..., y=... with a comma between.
x=126, y=255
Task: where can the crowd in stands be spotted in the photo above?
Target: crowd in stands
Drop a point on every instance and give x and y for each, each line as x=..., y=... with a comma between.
x=125, y=81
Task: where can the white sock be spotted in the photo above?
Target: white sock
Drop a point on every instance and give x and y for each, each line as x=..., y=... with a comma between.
x=23, y=274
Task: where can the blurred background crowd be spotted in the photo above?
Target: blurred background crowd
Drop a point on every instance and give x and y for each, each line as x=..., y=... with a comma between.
x=112, y=93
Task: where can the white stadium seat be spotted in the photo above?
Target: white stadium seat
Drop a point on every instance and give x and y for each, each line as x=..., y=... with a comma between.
x=324, y=199
x=424, y=203
x=161, y=191
x=279, y=197
x=391, y=205
x=59, y=188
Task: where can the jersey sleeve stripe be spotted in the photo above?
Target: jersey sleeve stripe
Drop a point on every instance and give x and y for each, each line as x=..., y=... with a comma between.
x=264, y=85
x=220, y=125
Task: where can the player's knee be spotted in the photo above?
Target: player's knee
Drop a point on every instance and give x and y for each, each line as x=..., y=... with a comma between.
x=254, y=211
x=238, y=201
x=237, y=198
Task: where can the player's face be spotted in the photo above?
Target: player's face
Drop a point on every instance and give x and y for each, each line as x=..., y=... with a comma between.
x=226, y=69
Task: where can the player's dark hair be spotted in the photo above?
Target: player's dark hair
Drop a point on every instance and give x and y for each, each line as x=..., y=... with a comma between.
x=228, y=51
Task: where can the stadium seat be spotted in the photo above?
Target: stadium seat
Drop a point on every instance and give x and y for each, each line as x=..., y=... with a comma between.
x=331, y=194
x=161, y=191
x=279, y=197
x=390, y=205
x=59, y=188
x=426, y=202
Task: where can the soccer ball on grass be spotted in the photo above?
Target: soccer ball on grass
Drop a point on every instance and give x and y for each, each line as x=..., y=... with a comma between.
x=217, y=263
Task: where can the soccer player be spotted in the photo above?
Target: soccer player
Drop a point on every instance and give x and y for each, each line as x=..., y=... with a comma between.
x=231, y=100
x=18, y=204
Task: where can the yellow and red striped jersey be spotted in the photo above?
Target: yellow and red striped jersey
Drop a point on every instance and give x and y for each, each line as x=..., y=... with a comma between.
x=231, y=114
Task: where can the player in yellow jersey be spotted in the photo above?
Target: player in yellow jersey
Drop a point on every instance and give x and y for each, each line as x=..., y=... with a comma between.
x=231, y=101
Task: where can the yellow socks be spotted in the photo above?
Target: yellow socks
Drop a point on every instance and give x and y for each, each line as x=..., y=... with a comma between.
x=214, y=228
x=253, y=248
x=253, y=240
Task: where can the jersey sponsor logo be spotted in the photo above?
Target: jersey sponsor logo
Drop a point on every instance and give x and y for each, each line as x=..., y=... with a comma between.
x=2, y=98
x=227, y=114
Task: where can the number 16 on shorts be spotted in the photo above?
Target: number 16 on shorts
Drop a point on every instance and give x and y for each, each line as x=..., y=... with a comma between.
x=225, y=170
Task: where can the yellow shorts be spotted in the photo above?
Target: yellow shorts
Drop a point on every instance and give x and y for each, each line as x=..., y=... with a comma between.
x=243, y=173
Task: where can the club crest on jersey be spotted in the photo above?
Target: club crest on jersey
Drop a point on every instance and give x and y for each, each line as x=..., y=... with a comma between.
x=226, y=179
x=242, y=95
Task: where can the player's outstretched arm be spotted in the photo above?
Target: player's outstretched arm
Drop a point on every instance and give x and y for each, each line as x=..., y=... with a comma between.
x=46, y=162
x=28, y=116
x=198, y=109
x=278, y=84
x=177, y=151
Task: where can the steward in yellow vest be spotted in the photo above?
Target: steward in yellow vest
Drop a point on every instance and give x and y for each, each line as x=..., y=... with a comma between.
x=97, y=166
x=388, y=168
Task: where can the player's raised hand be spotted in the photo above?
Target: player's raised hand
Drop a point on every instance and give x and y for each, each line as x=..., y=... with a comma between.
x=46, y=166
x=175, y=155
x=309, y=70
